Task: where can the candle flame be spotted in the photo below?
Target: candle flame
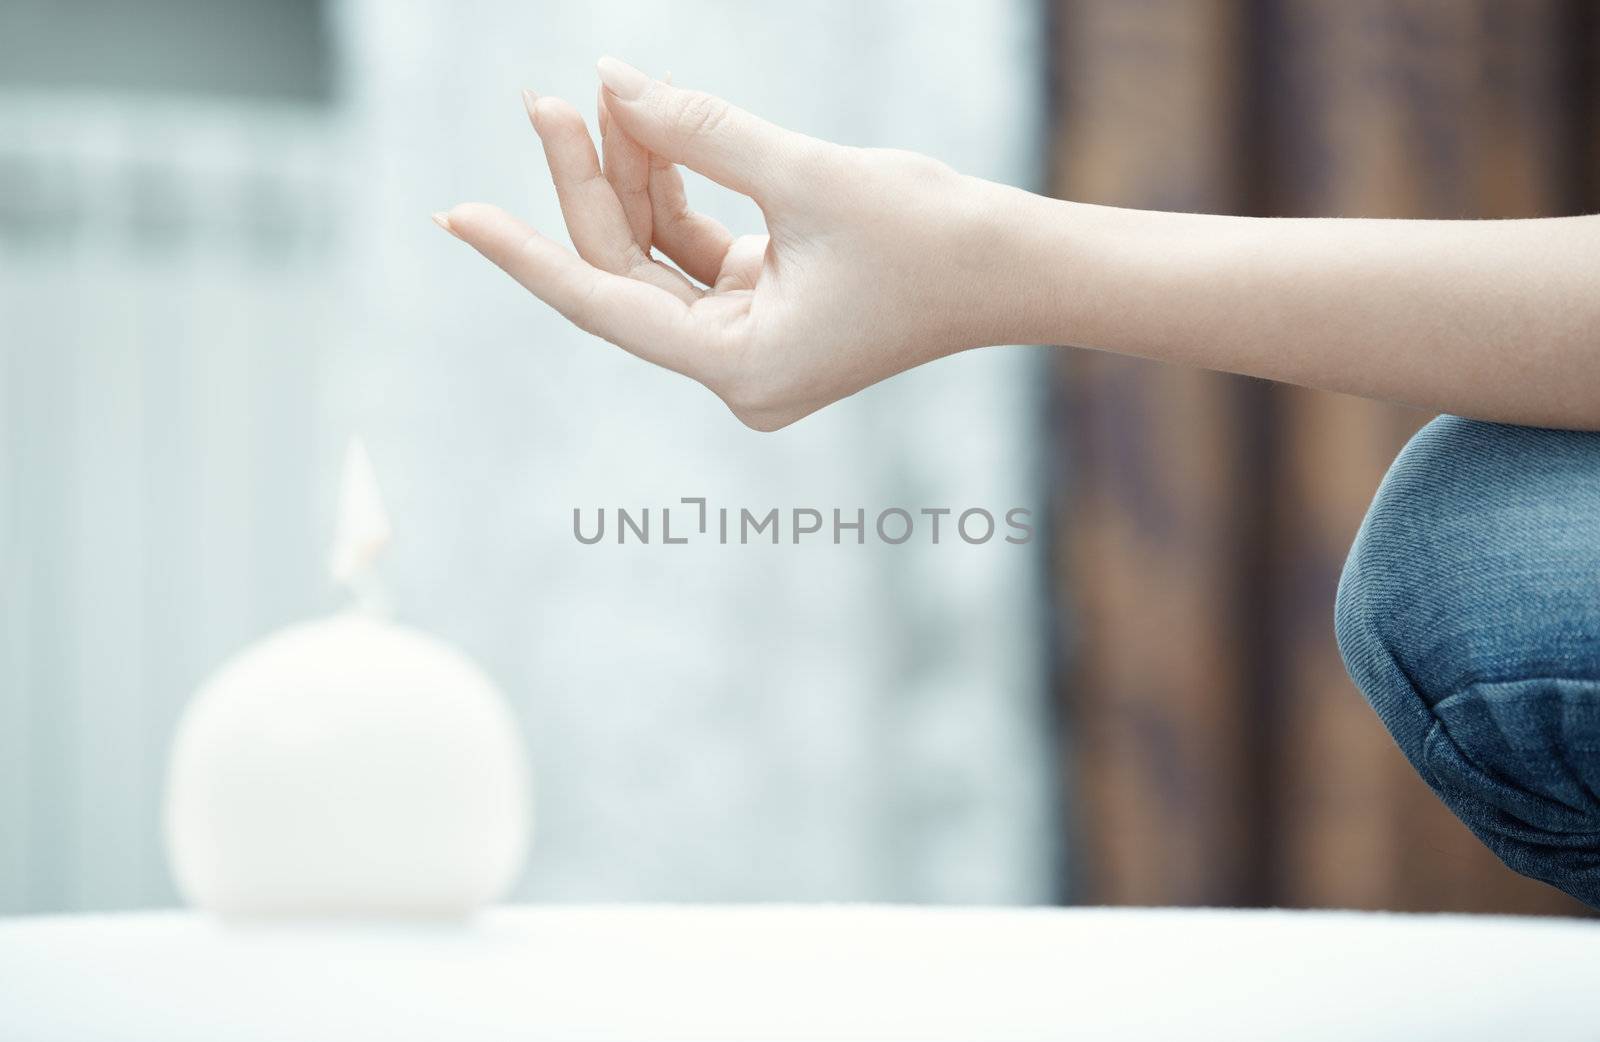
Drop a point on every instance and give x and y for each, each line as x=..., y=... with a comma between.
x=363, y=526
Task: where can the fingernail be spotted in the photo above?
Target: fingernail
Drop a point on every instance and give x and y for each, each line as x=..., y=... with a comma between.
x=529, y=100
x=443, y=220
x=601, y=113
x=622, y=79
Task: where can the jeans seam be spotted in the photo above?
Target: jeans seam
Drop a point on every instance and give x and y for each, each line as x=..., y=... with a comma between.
x=1514, y=699
x=1425, y=759
x=1439, y=733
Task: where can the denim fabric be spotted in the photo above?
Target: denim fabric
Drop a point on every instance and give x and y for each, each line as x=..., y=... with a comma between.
x=1469, y=616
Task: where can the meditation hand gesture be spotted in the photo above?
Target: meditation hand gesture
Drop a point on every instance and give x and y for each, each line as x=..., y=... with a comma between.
x=875, y=261
x=859, y=276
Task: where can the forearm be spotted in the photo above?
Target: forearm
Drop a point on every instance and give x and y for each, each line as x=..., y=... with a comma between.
x=877, y=260
x=1497, y=320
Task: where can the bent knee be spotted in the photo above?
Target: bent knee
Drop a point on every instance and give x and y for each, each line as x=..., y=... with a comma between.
x=1469, y=616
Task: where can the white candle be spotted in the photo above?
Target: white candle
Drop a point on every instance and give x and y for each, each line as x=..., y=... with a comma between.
x=347, y=765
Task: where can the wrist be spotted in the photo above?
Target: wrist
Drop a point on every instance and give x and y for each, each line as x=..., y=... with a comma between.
x=1024, y=259
x=1139, y=282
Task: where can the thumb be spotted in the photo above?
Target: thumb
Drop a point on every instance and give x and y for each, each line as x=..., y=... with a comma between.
x=700, y=131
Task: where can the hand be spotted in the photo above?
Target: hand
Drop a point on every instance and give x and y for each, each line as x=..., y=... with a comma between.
x=866, y=269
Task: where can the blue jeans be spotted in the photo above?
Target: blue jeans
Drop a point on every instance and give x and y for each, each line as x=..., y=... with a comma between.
x=1469, y=616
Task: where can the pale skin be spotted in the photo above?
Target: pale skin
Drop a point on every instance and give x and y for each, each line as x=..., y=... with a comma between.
x=876, y=261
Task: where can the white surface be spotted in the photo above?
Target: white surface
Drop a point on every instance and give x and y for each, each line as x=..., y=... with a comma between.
x=814, y=973
x=336, y=745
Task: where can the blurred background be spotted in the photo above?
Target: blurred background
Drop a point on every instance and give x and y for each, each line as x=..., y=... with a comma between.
x=216, y=265
x=1220, y=754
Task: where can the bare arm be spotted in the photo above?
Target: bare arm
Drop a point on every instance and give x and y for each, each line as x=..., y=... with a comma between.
x=876, y=261
x=1498, y=320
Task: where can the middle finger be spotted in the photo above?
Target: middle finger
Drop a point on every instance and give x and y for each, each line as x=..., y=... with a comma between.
x=594, y=216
